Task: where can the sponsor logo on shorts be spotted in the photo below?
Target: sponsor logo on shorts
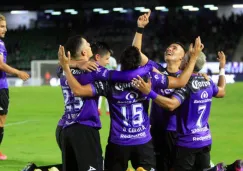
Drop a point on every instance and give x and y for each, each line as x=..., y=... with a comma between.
x=91, y=168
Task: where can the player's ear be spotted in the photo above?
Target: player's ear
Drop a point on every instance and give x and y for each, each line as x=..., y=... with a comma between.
x=97, y=57
x=83, y=52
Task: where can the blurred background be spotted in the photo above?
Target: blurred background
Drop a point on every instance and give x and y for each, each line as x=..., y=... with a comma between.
x=37, y=28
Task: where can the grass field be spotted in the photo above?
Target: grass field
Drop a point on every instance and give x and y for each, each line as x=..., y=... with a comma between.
x=35, y=111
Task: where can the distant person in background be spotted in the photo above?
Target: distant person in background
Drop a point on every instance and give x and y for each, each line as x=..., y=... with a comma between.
x=111, y=66
x=4, y=68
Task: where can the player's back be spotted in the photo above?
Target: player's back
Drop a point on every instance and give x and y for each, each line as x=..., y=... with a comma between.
x=129, y=114
x=3, y=79
x=192, y=119
x=81, y=110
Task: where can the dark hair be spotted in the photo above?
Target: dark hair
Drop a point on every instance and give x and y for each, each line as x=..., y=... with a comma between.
x=100, y=48
x=183, y=47
x=130, y=58
x=73, y=45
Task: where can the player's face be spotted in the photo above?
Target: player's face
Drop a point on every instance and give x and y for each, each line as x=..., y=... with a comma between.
x=174, y=53
x=87, y=49
x=103, y=61
x=3, y=28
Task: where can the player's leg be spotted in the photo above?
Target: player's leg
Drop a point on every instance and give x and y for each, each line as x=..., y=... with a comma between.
x=158, y=143
x=68, y=154
x=107, y=107
x=203, y=158
x=59, y=136
x=85, y=141
x=236, y=166
x=117, y=157
x=185, y=159
x=4, y=102
x=143, y=156
x=168, y=150
x=218, y=167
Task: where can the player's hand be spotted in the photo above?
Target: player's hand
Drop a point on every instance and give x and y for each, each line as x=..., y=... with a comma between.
x=143, y=20
x=195, y=50
x=23, y=75
x=87, y=66
x=141, y=85
x=222, y=59
x=63, y=59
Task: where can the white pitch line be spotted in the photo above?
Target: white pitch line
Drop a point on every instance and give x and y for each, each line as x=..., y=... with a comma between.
x=19, y=123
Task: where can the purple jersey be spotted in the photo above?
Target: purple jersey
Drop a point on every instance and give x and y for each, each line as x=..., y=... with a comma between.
x=128, y=111
x=192, y=115
x=84, y=110
x=159, y=117
x=3, y=77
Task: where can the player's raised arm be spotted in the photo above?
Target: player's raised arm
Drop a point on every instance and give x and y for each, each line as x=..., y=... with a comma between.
x=10, y=70
x=182, y=80
x=76, y=87
x=221, y=81
x=164, y=102
x=142, y=21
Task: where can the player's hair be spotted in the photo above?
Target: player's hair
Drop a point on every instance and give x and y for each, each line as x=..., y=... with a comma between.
x=2, y=18
x=181, y=45
x=201, y=60
x=73, y=45
x=130, y=58
x=100, y=48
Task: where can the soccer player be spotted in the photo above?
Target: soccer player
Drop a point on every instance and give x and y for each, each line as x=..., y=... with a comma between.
x=193, y=104
x=81, y=148
x=129, y=133
x=163, y=122
x=4, y=92
x=101, y=54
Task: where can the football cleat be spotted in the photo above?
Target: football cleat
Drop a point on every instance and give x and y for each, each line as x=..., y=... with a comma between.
x=30, y=167
x=220, y=167
x=238, y=165
x=53, y=169
x=140, y=169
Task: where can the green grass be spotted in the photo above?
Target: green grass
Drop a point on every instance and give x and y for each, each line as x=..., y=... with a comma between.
x=41, y=107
